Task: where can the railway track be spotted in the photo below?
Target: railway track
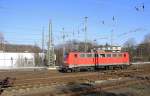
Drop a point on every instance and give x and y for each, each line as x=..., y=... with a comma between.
x=77, y=76
x=115, y=85
x=121, y=73
x=28, y=84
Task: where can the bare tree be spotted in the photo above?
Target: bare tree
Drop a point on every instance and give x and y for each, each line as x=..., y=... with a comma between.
x=130, y=46
x=146, y=47
x=37, y=57
x=1, y=41
x=130, y=43
x=147, y=38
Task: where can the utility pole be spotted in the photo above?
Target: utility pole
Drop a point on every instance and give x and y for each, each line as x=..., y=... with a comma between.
x=85, y=29
x=112, y=32
x=63, y=39
x=111, y=37
x=43, y=45
x=73, y=40
x=50, y=53
x=43, y=40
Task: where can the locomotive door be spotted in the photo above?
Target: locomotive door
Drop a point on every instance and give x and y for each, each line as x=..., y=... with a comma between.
x=75, y=60
x=96, y=60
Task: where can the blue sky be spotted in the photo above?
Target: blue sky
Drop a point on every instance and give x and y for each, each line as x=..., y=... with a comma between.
x=21, y=21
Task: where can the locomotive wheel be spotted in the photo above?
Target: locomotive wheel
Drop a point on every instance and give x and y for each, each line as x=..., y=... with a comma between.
x=90, y=69
x=125, y=67
x=111, y=67
x=106, y=67
x=76, y=70
x=69, y=70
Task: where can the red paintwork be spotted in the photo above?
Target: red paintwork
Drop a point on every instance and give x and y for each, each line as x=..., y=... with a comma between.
x=71, y=60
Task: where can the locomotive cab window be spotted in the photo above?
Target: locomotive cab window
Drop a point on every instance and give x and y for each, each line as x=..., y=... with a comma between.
x=82, y=55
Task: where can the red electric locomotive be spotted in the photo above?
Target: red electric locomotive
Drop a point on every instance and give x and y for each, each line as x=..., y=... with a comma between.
x=77, y=61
